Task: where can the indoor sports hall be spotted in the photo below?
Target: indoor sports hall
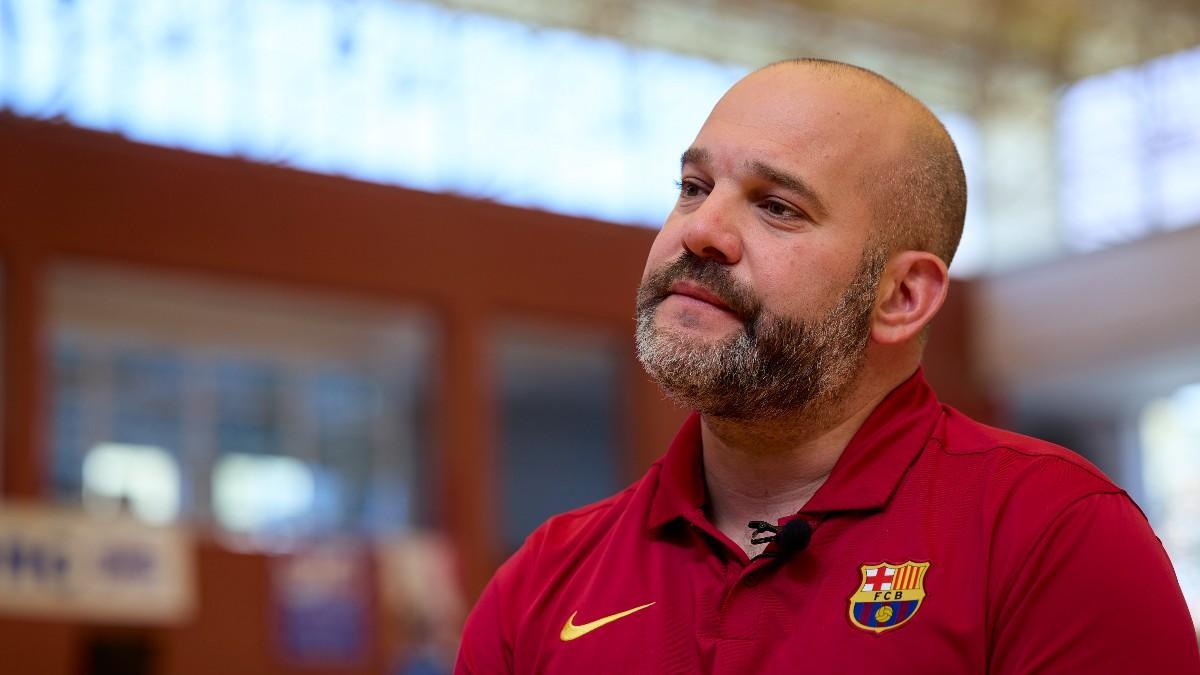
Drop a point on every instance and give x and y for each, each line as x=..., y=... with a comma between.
x=311, y=311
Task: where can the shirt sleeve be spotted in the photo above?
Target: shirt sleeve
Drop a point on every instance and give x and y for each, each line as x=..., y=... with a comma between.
x=1096, y=595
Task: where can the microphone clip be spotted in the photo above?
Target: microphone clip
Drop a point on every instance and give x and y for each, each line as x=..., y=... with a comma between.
x=788, y=539
x=760, y=528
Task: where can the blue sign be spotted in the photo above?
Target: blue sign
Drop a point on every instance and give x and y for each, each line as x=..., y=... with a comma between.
x=321, y=607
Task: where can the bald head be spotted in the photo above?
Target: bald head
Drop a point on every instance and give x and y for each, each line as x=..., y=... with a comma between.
x=918, y=189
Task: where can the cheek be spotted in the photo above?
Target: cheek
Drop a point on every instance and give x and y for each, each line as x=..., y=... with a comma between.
x=804, y=282
x=666, y=247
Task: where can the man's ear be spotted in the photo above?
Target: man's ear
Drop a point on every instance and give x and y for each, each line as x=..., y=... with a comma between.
x=911, y=291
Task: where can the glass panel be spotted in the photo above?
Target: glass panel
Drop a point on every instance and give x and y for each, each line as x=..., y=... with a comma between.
x=1102, y=169
x=345, y=407
x=1173, y=99
x=249, y=408
x=256, y=494
x=561, y=426
x=67, y=420
x=148, y=398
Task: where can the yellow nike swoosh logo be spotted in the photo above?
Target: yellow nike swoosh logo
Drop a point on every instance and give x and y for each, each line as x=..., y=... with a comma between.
x=570, y=631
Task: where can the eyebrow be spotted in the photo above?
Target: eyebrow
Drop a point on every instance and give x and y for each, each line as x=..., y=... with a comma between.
x=792, y=183
x=694, y=155
x=700, y=156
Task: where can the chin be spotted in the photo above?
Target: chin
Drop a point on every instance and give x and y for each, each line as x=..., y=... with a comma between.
x=704, y=328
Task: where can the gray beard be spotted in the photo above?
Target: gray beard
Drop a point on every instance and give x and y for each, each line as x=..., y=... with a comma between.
x=775, y=366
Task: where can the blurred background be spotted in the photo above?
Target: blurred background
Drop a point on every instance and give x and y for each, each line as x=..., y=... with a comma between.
x=313, y=309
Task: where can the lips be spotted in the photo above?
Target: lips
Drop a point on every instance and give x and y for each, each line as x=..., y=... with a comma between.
x=697, y=292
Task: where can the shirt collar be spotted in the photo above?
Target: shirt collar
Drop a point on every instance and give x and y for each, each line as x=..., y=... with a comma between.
x=864, y=477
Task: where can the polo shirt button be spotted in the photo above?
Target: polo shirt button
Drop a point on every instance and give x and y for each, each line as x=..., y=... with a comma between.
x=752, y=579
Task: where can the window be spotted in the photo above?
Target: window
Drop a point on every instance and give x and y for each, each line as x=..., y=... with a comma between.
x=1129, y=148
x=272, y=415
x=389, y=91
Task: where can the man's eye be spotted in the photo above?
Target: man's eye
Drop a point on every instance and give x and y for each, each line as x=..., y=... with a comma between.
x=780, y=210
x=688, y=188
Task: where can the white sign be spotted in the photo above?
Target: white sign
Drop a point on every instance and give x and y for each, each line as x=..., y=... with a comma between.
x=56, y=563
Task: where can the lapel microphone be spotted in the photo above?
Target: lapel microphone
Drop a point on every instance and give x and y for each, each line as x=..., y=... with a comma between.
x=791, y=538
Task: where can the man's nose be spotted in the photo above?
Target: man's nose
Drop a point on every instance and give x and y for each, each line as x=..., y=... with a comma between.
x=712, y=231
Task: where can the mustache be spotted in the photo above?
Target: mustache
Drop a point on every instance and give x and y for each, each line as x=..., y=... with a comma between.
x=706, y=272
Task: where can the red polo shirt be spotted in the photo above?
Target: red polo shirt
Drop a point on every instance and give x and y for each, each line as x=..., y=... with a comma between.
x=939, y=545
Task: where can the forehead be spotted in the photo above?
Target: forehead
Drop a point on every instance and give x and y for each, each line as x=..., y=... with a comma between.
x=835, y=129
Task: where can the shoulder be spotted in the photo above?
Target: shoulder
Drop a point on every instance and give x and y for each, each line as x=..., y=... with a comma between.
x=550, y=554
x=578, y=526
x=570, y=535
x=1018, y=486
x=1014, y=461
x=1096, y=575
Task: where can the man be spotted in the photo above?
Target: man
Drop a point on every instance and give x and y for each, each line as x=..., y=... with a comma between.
x=786, y=300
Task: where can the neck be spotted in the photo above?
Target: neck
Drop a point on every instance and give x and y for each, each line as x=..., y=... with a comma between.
x=768, y=469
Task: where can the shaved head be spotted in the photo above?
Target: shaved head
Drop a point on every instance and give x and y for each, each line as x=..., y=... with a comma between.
x=920, y=193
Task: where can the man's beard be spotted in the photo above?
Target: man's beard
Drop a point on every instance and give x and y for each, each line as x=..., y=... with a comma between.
x=775, y=365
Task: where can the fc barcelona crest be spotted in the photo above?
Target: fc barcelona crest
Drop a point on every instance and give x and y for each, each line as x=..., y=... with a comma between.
x=888, y=595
